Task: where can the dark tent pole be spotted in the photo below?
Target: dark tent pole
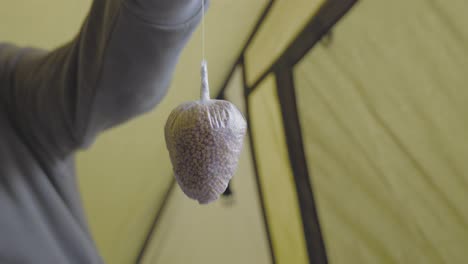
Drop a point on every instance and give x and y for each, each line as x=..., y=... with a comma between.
x=155, y=223
x=318, y=27
x=310, y=221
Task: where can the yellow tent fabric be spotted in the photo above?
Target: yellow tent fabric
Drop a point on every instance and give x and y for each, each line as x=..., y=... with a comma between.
x=383, y=109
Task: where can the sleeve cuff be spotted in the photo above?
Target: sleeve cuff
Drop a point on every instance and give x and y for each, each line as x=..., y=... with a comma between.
x=167, y=13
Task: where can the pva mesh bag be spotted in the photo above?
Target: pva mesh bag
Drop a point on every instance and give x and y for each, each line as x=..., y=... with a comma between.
x=204, y=139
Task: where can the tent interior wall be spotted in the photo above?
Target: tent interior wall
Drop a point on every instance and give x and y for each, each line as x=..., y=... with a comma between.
x=369, y=204
x=356, y=151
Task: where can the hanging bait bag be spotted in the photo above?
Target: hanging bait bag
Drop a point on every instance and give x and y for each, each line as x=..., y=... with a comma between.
x=204, y=139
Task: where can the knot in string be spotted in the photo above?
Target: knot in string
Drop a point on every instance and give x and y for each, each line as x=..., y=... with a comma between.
x=205, y=88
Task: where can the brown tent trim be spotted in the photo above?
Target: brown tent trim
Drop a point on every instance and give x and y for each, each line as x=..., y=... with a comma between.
x=255, y=166
x=155, y=223
x=310, y=221
x=319, y=25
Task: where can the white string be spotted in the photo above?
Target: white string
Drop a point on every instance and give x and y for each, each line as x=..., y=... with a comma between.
x=203, y=29
x=205, y=89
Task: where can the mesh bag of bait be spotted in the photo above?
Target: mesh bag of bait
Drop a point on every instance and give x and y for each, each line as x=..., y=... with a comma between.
x=204, y=139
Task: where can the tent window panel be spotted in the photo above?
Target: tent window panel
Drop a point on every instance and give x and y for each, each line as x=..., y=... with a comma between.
x=281, y=26
x=276, y=178
x=383, y=116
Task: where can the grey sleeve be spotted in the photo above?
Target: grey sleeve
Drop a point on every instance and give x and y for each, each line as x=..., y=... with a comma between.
x=118, y=67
